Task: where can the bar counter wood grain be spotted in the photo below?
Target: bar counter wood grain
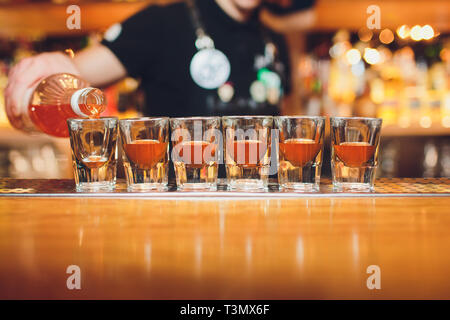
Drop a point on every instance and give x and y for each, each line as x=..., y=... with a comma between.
x=228, y=249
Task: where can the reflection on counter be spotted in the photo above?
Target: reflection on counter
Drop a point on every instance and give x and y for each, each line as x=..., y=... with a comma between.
x=250, y=249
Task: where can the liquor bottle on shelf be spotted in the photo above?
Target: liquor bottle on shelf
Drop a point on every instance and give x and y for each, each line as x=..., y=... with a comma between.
x=49, y=103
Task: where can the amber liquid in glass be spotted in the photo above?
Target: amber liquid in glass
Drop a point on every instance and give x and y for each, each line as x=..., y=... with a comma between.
x=354, y=154
x=145, y=154
x=247, y=165
x=196, y=165
x=248, y=153
x=146, y=164
x=197, y=154
x=300, y=164
x=299, y=151
x=95, y=162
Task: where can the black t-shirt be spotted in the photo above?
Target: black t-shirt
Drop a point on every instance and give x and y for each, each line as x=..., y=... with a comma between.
x=158, y=43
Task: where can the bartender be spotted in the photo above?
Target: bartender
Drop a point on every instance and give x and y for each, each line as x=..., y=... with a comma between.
x=194, y=58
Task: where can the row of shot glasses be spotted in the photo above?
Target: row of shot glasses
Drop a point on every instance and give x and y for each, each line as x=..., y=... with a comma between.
x=251, y=147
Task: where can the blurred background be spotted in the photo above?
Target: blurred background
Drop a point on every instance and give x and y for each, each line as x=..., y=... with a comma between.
x=400, y=73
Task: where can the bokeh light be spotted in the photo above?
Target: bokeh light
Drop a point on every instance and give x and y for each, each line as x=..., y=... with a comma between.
x=427, y=32
x=445, y=54
x=339, y=49
x=353, y=56
x=386, y=36
x=425, y=122
x=365, y=35
x=416, y=33
x=446, y=122
x=403, y=31
x=372, y=56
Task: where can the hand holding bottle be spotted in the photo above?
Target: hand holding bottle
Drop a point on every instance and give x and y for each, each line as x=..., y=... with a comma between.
x=25, y=74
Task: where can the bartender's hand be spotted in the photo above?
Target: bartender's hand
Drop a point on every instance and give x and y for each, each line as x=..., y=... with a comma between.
x=30, y=70
x=97, y=65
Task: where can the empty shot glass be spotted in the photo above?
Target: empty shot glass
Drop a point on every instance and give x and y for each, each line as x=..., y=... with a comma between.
x=247, y=151
x=300, y=152
x=94, y=153
x=354, y=154
x=197, y=143
x=145, y=144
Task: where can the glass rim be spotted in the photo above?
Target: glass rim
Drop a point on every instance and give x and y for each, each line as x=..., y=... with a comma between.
x=356, y=118
x=248, y=117
x=300, y=117
x=101, y=119
x=143, y=119
x=196, y=118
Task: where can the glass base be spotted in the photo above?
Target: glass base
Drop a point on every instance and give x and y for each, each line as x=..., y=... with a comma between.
x=247, y=184
x=95, y=186
x=356, y=179
x=145, y=187
x=197, y=187
x=352, y=186
x=144, y=180
x=300, y=187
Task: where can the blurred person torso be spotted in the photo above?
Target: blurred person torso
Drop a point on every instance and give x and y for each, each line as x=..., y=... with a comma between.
x=158, y=43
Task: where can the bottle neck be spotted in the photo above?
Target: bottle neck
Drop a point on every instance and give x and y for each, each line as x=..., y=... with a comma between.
x=88, y=102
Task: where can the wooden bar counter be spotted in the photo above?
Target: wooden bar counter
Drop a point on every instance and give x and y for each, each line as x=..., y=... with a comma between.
x=210, y=247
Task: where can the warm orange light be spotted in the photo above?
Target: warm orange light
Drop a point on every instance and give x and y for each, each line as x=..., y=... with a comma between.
x=404, y=122
x=425, y=122
x=403, y=31
x=446, y=122
x=386, y=36
x=365, y=35
x=445, y=54
x=70, y=52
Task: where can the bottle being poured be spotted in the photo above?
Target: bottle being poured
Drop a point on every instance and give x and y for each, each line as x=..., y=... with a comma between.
x=49, y=103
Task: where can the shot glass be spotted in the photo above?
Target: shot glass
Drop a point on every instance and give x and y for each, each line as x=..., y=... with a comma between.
x=196, y=145
x=145, y=144
x=300, y=152
x=94, y=153
x=354, y=155
x=247, y=151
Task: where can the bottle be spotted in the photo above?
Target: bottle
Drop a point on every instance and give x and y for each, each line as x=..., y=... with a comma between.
x=48, y=104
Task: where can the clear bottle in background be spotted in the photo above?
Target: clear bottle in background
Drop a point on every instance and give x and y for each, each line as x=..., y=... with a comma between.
x=49, y=103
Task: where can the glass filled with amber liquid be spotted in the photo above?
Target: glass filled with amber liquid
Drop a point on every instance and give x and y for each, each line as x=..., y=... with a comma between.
x=354, y=154
x=94, y=153
x=196, y=148
x=300, y=152
x=145, y=144
x=247, y=151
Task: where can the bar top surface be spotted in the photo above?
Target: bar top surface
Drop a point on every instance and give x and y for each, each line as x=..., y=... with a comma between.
x=384, y=187
x=230, y=248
